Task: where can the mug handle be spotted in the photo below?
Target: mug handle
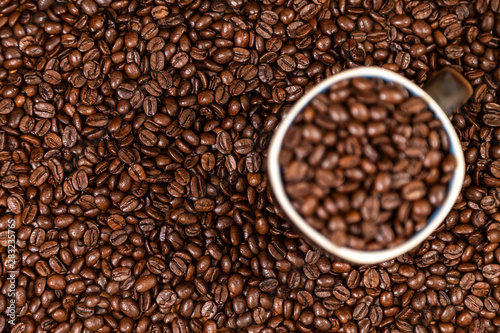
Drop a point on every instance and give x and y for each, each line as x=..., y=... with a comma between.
x=449, y=89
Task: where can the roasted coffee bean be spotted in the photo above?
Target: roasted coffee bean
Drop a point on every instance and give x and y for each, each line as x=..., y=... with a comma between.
x=116, y=222
x=6, y=106
x=305, y=298
x=166, y=298
x=49, y=249
x=360, y=311
x=39, y=176
x=145, y=283
x=69, y=136
x=286, y=63
x=44, y=110
x=129, y=307
x=371, y=278
x=491, y=271
x=268, y=285
x=178, y=266
x=473, y=303
x=243, y=146
x=224, y=143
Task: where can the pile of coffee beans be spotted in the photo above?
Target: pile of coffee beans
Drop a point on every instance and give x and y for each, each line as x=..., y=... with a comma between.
x=366, y=163
x=133, y=142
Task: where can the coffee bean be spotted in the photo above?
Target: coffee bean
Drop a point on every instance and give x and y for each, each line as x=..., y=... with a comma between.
x=44, y=110
x=129, y=203
x=287, y=63
x=221, y=294
x=116, y=222
x=52, y=77
x=83, y=311
x=16, y=203
x=118, y=237
x=224, y=143
x=360, y=311
x=145, y=283
x=120, y=274
x=422, y=11
x=209, y=309
x=241, y=54
x=6, y=106
x=473, y=303
x=208, y=161
x=305, y=298
x=69, y=136
x=80, y=180
x=480, y=289
x=39, y=176
x=264, y=29
x=129, y=307
x=49, y=249
x=235, y=285
x=159, y=12
x=491, y=271
x=204, y=205
x=413, y=191
x=341, y=293
x=136, y=172
x=243, y=146
x=178, y=266
x=371, y=278
x=268, y=285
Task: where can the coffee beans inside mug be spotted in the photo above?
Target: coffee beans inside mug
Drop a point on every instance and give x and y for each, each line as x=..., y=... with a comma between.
x=366, y=163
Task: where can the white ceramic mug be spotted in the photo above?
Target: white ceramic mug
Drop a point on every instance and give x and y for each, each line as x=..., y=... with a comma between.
x=448, y=90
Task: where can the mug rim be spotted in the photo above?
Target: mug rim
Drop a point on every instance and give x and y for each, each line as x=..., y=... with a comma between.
x=349, y=254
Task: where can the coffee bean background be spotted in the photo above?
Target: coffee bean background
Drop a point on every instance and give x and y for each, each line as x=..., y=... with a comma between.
x=133, y=139
x=366, y=163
